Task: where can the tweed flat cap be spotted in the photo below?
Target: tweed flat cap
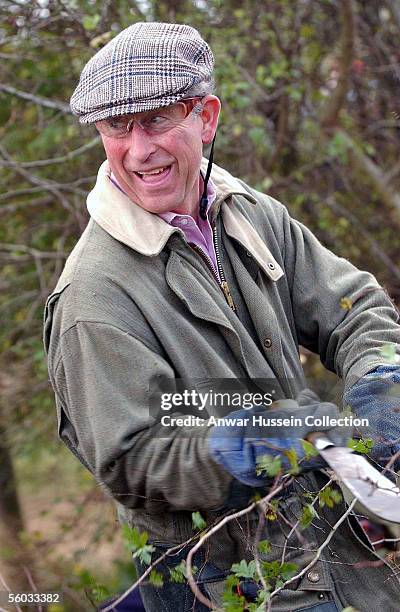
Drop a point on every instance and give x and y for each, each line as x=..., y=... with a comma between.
x=146, y=66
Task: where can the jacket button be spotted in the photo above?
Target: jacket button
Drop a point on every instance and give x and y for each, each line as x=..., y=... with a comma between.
x=271, y=266
x=267, y=343
x=321, y=596
x=249, y=254
x=313, y=576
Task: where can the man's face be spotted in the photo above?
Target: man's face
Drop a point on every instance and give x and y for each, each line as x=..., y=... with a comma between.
x=161, y=172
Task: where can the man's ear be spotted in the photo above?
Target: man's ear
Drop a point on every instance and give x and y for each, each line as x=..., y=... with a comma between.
x=209, y=115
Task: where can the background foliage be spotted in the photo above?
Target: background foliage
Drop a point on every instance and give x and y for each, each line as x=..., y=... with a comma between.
x=311, y=115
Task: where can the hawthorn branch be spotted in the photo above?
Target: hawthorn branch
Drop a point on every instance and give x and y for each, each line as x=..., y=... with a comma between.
x=318, y=553
x=230, y=517
x=294, y=527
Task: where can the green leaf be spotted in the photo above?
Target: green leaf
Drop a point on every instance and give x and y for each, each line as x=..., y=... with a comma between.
x=274, y=571
x=133, y=537
x=271, y=466
x=309, y=449
x=264, y=546
x=244, y=569
x=259, y=605
x=100, y=592
x=338, y=147
x=307, y=515
x=137, y=543
x=232, y=601
x=329, y=497
x=90, y=22
x=288, y=570
x=291, y=454
x=178, y=573
x=271, y=513
x=361, y=446
x=156, y=579
x=144, y=554
x=388, y=352
x=198, y=522
x=346, y=303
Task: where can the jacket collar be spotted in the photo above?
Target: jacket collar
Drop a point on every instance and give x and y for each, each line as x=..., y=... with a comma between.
x=147, y=233
x=137, y=228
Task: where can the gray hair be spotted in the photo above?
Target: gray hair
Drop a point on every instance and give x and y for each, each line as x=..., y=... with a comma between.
x=201, y=89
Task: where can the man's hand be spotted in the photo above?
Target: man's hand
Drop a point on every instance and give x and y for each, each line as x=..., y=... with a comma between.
x=376, y=397
x=238, y=448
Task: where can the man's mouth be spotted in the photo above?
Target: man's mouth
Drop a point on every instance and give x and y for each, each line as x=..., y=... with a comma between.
x=153, y=176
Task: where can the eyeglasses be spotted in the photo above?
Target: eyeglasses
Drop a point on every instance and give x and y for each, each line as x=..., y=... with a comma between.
x=153, y=122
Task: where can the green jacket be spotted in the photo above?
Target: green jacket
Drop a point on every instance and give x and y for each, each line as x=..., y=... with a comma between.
x=135, y=302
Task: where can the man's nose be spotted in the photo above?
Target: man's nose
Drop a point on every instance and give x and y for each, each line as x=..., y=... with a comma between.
x=141, y=145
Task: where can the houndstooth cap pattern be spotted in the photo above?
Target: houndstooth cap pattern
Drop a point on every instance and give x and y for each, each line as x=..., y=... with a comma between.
x=146, y=66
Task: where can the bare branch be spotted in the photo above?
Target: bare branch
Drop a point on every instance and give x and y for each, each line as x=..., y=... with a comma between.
x=373, y=173
x=40, y=100
x=332, y=203
x=330, y=112
x=11, y=208
x=319, y=551
x=230, y=517
x=395, y=10
x=54, y=160
x=34, y=252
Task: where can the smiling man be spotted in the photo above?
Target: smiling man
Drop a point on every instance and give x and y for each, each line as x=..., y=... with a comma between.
x=186, y=273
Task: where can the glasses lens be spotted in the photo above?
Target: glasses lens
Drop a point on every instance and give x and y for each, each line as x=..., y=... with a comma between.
x=154, y=122
x=116, y=127
x=163, y=119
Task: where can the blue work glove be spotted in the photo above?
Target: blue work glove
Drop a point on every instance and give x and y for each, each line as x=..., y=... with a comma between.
x=237, y=448
x=376, y=397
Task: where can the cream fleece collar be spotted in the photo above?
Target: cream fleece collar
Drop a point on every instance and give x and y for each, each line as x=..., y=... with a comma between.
x=147, y=233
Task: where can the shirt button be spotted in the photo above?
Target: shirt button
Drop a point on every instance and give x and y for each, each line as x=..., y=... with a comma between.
x=313, y=576
x=267, y=343
x=271, y=266
x=184, y=221
x=249, y=254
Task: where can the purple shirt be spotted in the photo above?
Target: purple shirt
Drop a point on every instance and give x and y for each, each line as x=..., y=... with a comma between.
x=199, y=233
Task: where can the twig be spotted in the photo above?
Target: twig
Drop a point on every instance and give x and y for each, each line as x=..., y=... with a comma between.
x=319, y=551
x=5, y=585
x=121, y=598
x=314, y=501
x=32, y=585
x=260, y=527
x=217, y=527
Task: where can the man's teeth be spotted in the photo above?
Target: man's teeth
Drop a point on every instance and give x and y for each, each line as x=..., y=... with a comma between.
x=158, y=171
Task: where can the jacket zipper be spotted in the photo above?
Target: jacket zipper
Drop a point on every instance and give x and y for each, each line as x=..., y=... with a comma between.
x=223, y=282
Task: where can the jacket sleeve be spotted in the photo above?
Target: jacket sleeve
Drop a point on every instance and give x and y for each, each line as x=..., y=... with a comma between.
x=339, y=312
x=101, y=378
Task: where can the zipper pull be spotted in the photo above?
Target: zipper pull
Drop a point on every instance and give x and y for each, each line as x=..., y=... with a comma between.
x=228, y=295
